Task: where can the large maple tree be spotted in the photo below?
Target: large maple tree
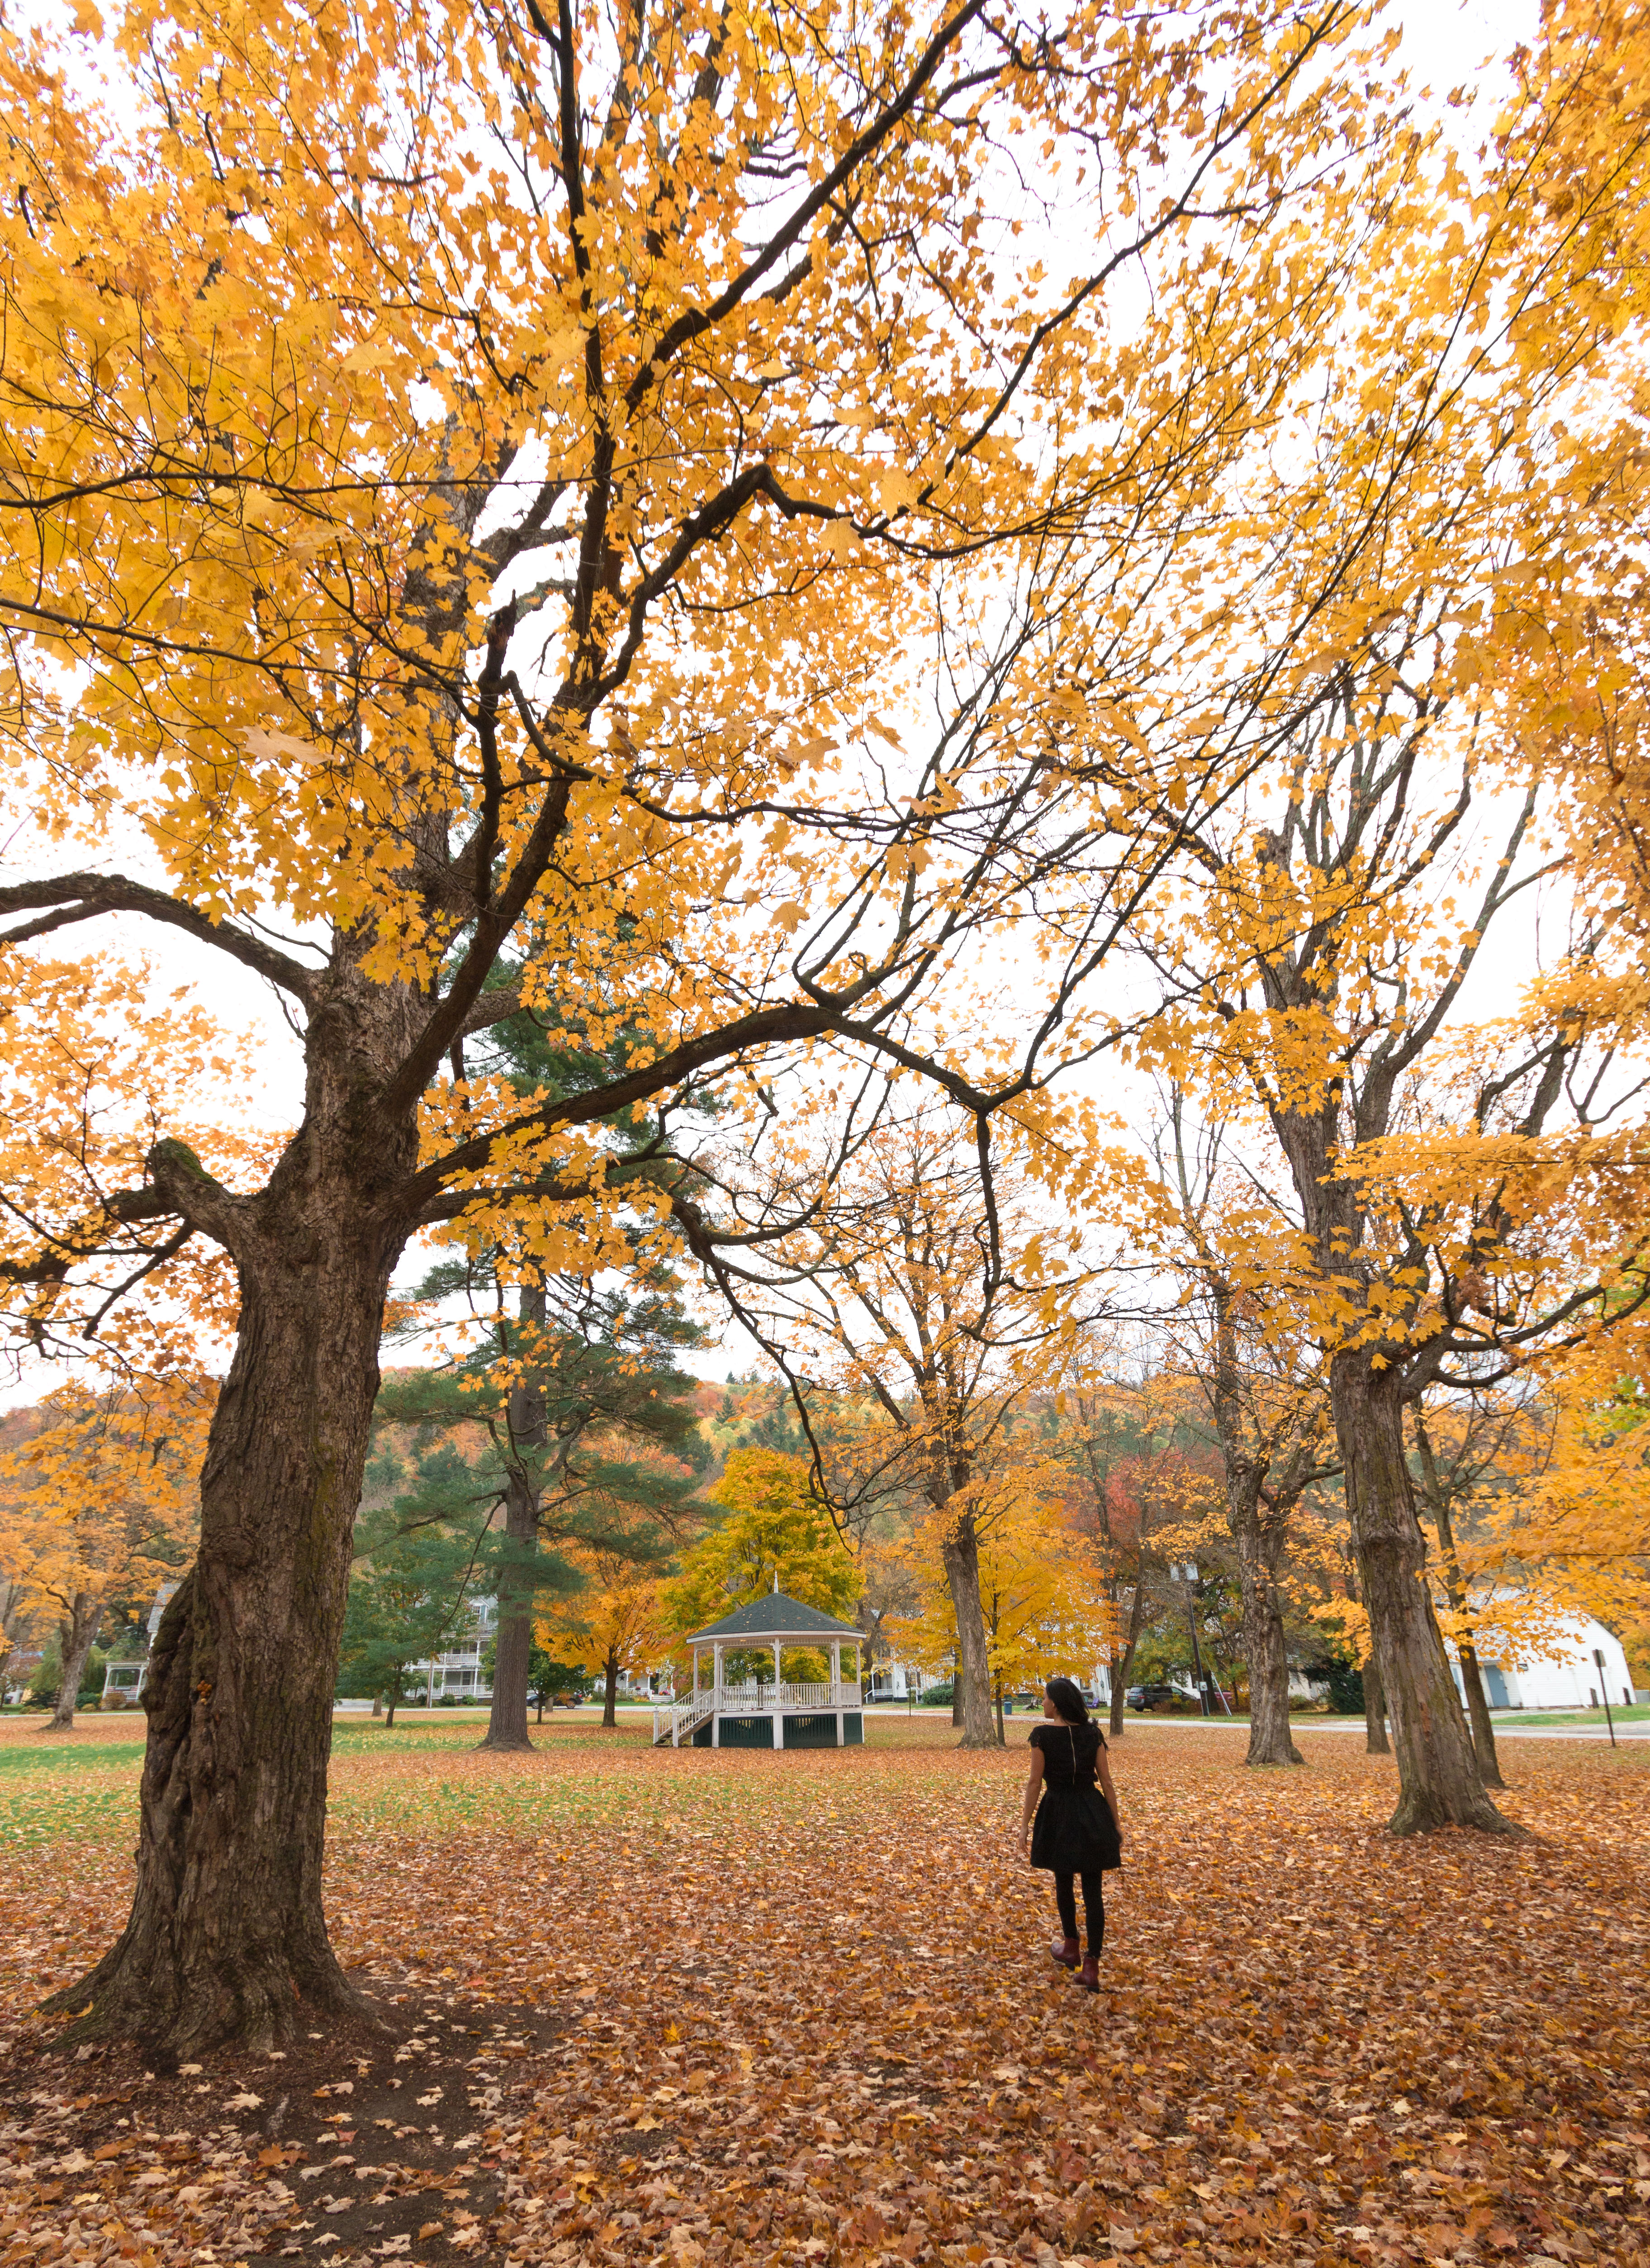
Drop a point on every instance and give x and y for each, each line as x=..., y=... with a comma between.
x=472, y=478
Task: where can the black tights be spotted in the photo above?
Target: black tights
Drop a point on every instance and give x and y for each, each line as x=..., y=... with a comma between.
x=1094, y=1911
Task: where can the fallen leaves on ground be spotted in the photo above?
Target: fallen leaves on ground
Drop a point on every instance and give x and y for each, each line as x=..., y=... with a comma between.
x=799, y=2008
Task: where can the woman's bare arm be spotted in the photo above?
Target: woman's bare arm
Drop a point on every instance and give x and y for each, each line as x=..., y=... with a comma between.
x=1033, y=1789
x=1102, y=1762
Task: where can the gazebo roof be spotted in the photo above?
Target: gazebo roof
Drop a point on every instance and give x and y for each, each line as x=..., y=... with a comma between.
x=776, y=1615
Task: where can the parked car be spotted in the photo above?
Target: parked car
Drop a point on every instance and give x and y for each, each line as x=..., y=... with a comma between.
x=1150, y=1696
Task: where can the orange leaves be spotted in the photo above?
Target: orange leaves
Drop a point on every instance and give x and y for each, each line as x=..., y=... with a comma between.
x=96, y=1066
x=773, y=1529
x=848, y=2035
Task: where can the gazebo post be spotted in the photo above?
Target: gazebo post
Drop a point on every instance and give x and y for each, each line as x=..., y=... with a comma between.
x=836, y=1685
x=779, y=1700
x=715, y=1700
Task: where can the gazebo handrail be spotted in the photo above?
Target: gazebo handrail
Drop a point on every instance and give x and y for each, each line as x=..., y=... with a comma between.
x=765, y=1693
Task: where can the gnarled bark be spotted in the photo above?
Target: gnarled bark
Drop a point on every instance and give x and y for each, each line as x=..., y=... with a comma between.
x=226, y=1937
x=1438, y=1776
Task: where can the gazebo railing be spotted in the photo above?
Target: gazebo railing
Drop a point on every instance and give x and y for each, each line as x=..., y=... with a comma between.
x=677, y=1721
x=731, y=1699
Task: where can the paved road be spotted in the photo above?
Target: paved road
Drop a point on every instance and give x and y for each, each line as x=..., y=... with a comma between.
x=1504, y=1729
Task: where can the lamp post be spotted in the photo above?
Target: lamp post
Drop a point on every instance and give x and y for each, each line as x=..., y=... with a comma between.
x=1604, y=1689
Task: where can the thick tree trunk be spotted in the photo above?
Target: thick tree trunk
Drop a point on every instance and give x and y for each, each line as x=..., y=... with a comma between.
x=76, y=1639
x=1438, y=1777
x=226, y=1938
x=1271, y=1737
x=378, y=1704
x=973, y=1683
x=609, y=1692
x=507, y=1719
x=389, y=1711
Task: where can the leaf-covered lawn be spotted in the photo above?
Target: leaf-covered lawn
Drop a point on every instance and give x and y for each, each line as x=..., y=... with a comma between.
x=809, y=2013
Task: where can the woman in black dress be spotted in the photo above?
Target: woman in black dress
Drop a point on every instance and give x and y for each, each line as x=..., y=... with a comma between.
x=1076, y=1831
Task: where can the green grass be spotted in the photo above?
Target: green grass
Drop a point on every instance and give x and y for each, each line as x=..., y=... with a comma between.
x=63, y=1791
x=82, y=1786
x=1638, y=1713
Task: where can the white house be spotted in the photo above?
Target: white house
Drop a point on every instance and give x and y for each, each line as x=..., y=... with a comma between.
x=1567, y=1677
x=124, y=1681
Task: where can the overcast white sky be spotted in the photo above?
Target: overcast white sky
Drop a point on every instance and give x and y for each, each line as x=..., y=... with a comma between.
x=1444, y=45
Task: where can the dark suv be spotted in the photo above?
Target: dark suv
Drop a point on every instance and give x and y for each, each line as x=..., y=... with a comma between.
x=1149, y=1696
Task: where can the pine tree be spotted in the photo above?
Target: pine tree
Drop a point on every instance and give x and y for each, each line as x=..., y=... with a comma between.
x=414, y=1577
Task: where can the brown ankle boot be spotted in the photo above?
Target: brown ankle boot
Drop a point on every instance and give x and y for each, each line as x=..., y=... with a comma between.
x=1091, y=1977
x=1066, y=1950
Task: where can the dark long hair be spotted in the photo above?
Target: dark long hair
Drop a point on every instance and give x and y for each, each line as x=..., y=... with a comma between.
x=1067, y=1700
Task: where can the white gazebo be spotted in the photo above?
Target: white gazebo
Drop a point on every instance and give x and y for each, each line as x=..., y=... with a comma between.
x=757, y=1713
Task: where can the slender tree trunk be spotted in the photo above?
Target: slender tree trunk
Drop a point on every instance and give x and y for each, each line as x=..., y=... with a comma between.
x=226, y=1938
x=76, y=1639
x=1375, y=1703
x=1375, y=1708
x=1479, y=1714
x=389, y=1712
x=609, y=1692
x=974, y=1668
x=507, y=1719
x=378, y=1704
x=1455, y=1591
x=1438, y=1777
x=1121, y=1664
x=1260, y=1544
x=1260, y=1535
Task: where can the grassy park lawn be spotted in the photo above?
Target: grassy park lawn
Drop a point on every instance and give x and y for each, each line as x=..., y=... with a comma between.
x=801, y=2009
x=1621, y=1712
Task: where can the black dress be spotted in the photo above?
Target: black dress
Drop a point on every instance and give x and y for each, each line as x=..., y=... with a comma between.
x=1074, y=1832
